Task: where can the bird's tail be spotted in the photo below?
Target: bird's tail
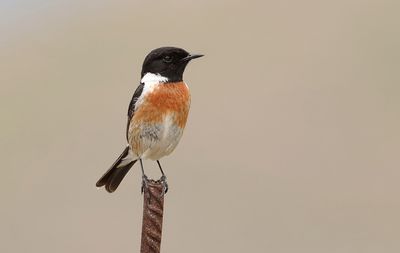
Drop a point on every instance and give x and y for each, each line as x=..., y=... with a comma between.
x=114, y=175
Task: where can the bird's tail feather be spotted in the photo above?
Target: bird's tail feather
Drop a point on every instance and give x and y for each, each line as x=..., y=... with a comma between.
x=114, y=175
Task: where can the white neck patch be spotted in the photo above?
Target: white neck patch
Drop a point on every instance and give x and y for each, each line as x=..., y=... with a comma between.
x=150, y=79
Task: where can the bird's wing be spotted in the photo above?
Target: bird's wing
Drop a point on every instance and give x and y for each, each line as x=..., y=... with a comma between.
x=131, y=109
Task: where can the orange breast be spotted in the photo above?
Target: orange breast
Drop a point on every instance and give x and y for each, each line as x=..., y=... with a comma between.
x=165, y=98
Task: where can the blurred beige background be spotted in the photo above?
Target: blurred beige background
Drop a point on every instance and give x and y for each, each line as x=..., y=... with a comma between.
x=302, y=153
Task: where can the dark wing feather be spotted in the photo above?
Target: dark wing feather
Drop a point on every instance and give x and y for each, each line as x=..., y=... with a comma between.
x=131, y=109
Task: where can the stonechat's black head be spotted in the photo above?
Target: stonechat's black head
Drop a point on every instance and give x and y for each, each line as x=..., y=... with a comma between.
x=169, y=62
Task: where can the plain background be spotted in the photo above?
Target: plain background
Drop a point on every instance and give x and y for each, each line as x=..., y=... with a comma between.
x=292, y=143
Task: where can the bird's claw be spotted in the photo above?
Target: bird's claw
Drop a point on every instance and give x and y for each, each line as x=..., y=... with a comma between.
x=145, y=180
x=164, y=183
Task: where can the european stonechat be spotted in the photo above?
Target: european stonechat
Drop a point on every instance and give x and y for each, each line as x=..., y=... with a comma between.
x=157, y=114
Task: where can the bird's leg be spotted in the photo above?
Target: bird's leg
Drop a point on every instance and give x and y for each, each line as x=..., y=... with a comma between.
x=163, y=179
x=144, y=177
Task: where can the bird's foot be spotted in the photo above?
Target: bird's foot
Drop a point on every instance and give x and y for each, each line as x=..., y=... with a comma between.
x=145, y=181
x=164, y=183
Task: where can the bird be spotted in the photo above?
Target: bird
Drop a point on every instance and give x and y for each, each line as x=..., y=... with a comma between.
x=157, y=115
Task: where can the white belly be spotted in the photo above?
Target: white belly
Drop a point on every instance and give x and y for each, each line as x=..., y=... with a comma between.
x=163, y=140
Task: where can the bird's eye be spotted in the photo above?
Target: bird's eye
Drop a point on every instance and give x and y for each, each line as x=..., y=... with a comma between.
x=167, y=59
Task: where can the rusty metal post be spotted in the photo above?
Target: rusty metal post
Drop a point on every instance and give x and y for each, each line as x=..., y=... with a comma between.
x=153, y=208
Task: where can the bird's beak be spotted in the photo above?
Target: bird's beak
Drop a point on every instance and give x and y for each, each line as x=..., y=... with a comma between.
x=192, y=56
